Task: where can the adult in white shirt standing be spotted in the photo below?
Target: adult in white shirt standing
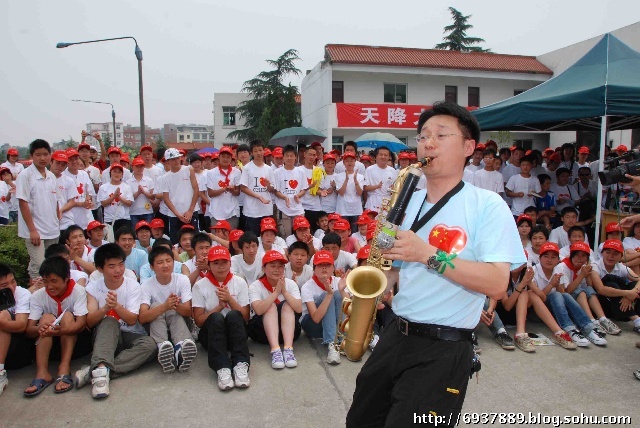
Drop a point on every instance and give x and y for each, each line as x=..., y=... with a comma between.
x=36, y=191
x=378, y=179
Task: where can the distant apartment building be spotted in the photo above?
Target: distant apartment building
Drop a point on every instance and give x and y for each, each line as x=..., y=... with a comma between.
x=188, y=137
x=225, y=118
x=105, y=129
x=133, y=139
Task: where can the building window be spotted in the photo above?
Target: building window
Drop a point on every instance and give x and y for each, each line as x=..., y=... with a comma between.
x=403, y=140
x=188, y=136
x=337, y=143
x=337, y=92
x=394, y=93
x=451, y=94
x=525, y=144
x=228, y=116
x=473, y=98
x=517, y=92
x=119, y=135
x=181, y=137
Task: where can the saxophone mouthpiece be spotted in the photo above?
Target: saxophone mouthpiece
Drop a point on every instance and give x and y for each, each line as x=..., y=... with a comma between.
x=426, y=161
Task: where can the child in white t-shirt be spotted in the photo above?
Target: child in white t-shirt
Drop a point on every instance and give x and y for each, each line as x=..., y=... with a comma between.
x=521, y=187
x=60, y=297
x=220, y=309
x=165, y=301
x=343, y=261
x=322, y=303
x=247, y=264
x=196, y=267
x=298, y=268
x=361, y=234
x=268, y=235
x=277, y=306
x=5, y=196
x=115, y=197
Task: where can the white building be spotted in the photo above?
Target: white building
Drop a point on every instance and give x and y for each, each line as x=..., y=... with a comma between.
x=105, y=129
x=359, y=89
x=225, y=119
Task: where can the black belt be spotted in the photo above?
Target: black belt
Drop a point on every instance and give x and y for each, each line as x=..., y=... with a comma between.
x=433, y=331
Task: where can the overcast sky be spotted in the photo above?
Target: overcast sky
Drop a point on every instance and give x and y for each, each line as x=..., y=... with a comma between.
x=194, y=48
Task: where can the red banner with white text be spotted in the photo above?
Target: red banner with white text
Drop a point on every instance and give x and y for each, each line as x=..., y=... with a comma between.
x=398, y=116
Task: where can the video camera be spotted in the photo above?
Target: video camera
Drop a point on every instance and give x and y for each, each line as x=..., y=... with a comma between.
x=616, y=171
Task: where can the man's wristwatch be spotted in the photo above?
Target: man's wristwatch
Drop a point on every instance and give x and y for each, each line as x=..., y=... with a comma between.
x=433, y=263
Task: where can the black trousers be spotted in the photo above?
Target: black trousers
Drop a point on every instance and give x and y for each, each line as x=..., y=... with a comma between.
x=21, y=352
x=407, y=377
x=222, y=334
x=255, y=328
x=611, y=305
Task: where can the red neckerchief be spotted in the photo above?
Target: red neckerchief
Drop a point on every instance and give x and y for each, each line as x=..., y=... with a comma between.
x=70, y=284
x=226, y=174
x=268, y=286
x=567, y=261
x=319, y=283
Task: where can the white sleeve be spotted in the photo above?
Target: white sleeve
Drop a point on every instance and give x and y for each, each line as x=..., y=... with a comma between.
x=292, y=288
x=36, y=308
x=254, y=292
x=197, y=300
x=305, y=293
x=145, y=294
x=133, y=299
x=184, y=285
x=243, y=292
x=80, y=305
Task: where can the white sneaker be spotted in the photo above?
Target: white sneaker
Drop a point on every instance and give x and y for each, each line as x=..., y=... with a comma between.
x=289, y=358
x=333, y=357
x=83, y=376
x=578, y=338
x=225, y=381
x=100, y=381
x=596, y=338
x=241, y=374
x=3, y=380
x=166, y=358
x=185, y=354
x=277, y=359
x=610, y=327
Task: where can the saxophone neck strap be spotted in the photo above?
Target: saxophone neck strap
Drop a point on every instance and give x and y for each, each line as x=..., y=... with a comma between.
x=419, y=222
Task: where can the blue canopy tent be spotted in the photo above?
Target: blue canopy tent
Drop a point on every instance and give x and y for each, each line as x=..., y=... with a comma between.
x=600, y=91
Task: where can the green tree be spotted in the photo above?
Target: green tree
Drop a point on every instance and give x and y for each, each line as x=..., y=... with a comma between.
x=272, y=106
x=160, y=145
x=107, y=141
x=457, y=39
x=503, y=138
x=70, y=143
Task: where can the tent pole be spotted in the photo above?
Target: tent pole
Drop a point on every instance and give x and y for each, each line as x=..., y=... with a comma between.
x=603, y=141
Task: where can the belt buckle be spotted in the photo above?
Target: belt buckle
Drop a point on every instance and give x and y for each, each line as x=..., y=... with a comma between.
x=403, y=326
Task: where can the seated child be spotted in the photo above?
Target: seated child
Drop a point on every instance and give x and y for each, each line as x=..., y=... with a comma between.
x=134, y=258
x=302, y=233
x=144, y=240
x=120, y=344
x=59, y=296
x=16, y=351
x=538, y=237
x=166, y=299
x=146, y=272
x=80, y=254
x=95, y=233
x=546, y=203
x=234, y=236
x=298, y=268
x=220, y=309
x=361, y=234
x=344, y=261
x=197, y=267
x=347, y=242
x=246, y=264
x=576, y=234
x=266, y=242
x=276, y=303
x=157, y=229
x=569, y=217
x=220, y=233
x=323, y=225
x=491, y=319
x=59, y=250
x=322, y=303
x=183, y=251
x=524, y=224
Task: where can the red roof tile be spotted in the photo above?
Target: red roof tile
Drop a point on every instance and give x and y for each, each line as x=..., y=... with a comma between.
x=433, y=58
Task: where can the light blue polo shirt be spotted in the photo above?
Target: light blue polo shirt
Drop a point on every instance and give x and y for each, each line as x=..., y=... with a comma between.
x=476, y=224
x=136, y=260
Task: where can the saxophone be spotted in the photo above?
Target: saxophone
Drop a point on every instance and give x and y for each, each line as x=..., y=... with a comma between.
x=367, y=283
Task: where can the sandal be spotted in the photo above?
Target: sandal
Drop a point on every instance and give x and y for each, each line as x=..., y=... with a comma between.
x=40, y=385
x=66, y=379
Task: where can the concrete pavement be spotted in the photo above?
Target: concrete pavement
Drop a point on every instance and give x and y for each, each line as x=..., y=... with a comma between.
x=553, y=381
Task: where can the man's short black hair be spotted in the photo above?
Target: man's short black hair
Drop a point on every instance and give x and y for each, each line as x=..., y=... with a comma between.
x=64, y=236
x=5, y=270
x=298, y=245
x=289, y=148
x=161, y=241
x=562, y=170
x=567, y=210
x=543, y=178
x=320, y=215
x=528, y=159
x=255, y=143
x=539, y=229
x=107, y=252
x=55, y=265
x=56, y=250
x=243, y=148
x=466, y=121
x=184, y=231
x=124, y=230
x=247, y=238
x=200, y=237
x=350, y=144
x=504, y=150
x=377, y=150
x=488, y=152
x=331, y=238
x=157, y=251
x=38, y=144
x=194, y=158
x=530, y=208
x=575, y=229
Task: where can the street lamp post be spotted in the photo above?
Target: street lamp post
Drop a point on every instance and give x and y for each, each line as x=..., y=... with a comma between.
x=113, y=117
x=138, y=53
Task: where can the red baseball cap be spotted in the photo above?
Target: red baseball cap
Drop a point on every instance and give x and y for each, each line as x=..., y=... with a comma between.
x=580, y=246
x=341, y=224
x=268, y=223
x=277, y=152
x=322, y=257
x=612, y=227
x=84, y=146
x=13, y=152
x=125, y=158
x=225, y=149
x=316, y=144
x=334, y=216
x=613, y=244
x=365, y=158
x=524, y=217
x=267, y=152
x=299, y=223
x=156, y=223
x=187, y=226
x=116, y=166
x=60, y=156
x=622, y=148
x=349, y=155
x=216, y=155
x=584, y=150
x=413, y=156
x=235, y=234
x=138, y=162
x=273, y=256
x=370, y=212
x=146, y=147
x=480, y=146
x=94, y=224
x=548, y=151
x=329, y=156
x=404, y=155
x=4, y=169
x=549, y=246
x=512, y=148
x=555, y=158
x=218, y=253
x=182, y=152
x=222, y=224
x=71, y=153
x=114, y=149
x=363, y=219
x=141, y=224
x=363, y=252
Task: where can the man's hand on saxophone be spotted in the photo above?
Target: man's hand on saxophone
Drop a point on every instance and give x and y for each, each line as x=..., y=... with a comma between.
x=409, y=247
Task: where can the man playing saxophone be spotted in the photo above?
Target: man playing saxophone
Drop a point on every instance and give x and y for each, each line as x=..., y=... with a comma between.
x=446, y=259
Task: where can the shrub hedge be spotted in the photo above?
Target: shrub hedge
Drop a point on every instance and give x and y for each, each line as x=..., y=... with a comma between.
x=14, y=253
